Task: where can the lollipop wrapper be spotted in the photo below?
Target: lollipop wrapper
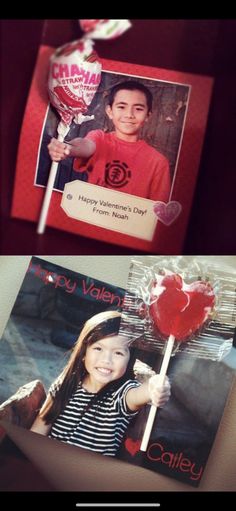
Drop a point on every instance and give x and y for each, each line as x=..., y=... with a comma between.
x=74, y=76
x=192, y=300
x=104, y=29
x=75, y=70
x=180, y=309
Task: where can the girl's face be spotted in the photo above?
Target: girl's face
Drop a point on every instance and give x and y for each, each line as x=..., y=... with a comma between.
x=105, y=361
x=128, y=112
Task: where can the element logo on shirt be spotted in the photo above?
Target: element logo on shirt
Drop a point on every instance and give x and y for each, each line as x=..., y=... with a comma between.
x=117, y=174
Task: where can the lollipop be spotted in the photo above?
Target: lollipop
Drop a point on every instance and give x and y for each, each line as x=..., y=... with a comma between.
x=179, y=304
x=180, y=309
x=74, y=76
x=177, y=310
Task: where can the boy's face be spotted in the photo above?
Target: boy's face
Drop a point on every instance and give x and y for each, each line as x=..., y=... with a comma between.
x=128, y=112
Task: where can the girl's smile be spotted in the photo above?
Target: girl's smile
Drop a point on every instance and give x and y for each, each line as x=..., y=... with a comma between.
x=105, y=361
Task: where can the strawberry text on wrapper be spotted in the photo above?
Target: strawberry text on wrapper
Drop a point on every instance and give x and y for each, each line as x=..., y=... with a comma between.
x=75, y=74
x=180, y=309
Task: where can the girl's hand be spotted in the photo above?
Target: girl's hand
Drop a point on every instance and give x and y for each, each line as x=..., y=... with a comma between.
x=159, y=393
x=58, y=150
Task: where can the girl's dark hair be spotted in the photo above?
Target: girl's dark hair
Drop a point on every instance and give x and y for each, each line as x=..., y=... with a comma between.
x=104, y=324
x=131, y=85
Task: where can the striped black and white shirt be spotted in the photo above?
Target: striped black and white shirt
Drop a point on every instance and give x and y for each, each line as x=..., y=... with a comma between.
x=99, y=428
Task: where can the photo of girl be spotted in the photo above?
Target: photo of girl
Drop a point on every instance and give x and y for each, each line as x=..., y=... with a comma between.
x=94, y=399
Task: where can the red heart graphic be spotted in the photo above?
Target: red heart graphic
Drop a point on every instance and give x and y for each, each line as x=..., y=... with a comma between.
x=132, y=446
x=178, y=308
x=167, y=212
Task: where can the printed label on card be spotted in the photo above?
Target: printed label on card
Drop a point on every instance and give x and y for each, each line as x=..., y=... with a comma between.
x=110, y=209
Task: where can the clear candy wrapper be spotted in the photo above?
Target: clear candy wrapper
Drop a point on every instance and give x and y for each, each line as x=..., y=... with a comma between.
x=191, y=299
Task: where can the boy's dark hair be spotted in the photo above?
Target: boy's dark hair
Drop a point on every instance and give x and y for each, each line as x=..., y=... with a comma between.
x=131, y=85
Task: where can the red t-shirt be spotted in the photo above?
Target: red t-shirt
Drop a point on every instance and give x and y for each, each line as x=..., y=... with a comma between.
x=129, y=167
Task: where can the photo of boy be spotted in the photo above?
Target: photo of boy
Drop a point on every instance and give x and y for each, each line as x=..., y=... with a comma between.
x=118, y=159
x=131, y=146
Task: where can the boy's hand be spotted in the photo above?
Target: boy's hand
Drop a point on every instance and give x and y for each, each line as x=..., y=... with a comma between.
x=58, y=150
x=159, y=394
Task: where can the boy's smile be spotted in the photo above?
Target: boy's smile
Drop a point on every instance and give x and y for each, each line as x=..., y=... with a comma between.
x=128, y=112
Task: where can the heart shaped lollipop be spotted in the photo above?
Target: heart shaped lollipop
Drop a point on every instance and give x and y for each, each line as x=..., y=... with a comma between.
x=180, y=309
x=177, y=310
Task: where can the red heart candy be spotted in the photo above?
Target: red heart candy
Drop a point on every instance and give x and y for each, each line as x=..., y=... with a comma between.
x=132, y=446
x=172, y=280
x=180, y=311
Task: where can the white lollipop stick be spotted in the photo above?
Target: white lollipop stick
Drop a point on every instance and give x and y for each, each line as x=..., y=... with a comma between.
x=153, y=409
x=62, y=131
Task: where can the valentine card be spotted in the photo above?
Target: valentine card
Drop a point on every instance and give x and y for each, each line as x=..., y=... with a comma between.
x=181, y=316
x=46, y=331
x=137, y=188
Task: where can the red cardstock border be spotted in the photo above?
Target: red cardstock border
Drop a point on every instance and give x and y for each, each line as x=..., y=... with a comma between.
x=27, y=198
